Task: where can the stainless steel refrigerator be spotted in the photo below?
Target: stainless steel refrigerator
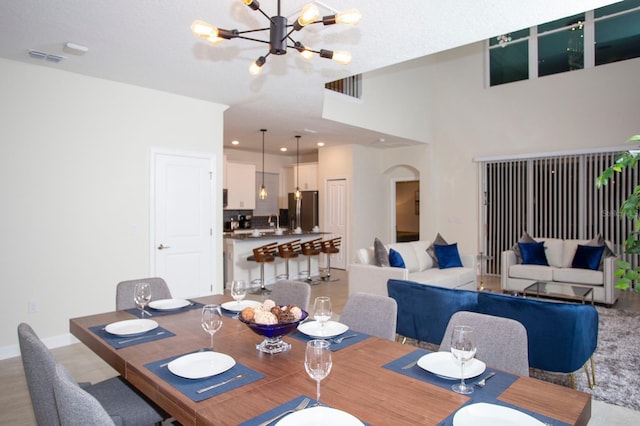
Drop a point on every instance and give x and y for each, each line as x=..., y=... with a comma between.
x=308, y=211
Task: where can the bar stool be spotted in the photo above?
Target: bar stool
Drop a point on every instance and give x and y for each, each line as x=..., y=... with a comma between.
x=289, y=250
x=330, y=247
x=311, y=248
x=262, y=255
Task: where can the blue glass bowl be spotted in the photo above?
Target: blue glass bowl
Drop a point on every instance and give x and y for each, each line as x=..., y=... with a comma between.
x=273, y=334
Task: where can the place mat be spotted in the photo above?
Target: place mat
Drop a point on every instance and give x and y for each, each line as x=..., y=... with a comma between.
x=290, y=405
x=359, y=337
x=159, y=313
x=189, y=387
x=119, y=342
x=493, y=388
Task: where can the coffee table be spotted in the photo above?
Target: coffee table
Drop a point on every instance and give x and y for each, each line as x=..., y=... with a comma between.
x=567, y=292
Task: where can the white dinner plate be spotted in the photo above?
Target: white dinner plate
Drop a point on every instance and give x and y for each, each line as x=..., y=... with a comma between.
x=238, y=306
x=168, y=304
x=331, y=329
x=320, y=416
x=483, y=414
x=443, y=364
x=201, y=364
x=131, y=327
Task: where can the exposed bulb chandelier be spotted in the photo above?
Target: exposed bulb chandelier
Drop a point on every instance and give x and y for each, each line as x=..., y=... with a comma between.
x=280, y=33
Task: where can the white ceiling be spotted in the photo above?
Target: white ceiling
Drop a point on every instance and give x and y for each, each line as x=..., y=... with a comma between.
x=148, y=43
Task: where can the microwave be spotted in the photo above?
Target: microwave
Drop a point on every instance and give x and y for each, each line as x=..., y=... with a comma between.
x=224, y=198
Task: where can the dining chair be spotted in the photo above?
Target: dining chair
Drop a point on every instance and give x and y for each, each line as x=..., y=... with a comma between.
x=501, y=342
x=287, y=292
x=371, y=314
x=75, y=405
x=114, y=394
x=125, y=290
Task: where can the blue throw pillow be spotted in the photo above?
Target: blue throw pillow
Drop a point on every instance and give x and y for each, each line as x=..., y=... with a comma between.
x=587, y=257
x=395, y=259
x=533, y=253
x=448, y=256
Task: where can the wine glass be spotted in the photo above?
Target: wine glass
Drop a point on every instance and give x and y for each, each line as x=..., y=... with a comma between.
x=317, y=362
x=211, y=320
x=142, y=296
x=463, y=348
x=238, y=290
x=322, y=311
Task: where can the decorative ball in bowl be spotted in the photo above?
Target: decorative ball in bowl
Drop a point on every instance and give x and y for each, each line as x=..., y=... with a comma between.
x=273, y=334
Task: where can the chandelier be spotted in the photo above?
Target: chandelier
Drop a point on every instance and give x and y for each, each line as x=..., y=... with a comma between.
x=280, y=31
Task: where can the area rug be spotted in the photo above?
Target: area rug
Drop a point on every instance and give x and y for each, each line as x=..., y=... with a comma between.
x=617, y=360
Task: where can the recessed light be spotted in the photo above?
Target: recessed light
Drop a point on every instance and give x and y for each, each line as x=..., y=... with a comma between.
x=283, y=149
x=320, y=143
x=235, y=143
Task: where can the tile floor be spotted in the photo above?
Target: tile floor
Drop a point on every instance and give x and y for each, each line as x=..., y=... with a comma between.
x=86, y=366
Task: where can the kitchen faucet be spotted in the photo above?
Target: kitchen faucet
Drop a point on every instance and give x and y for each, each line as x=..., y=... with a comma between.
x=277, y=220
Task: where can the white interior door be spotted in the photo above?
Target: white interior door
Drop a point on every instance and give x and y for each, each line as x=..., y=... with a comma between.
x=182, y=224
x=336, y=218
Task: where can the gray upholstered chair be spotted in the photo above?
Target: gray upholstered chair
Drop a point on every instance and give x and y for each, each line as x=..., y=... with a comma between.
x=287, y=292
x=76, y=407
x=125, y=289
x=371, y=314
x=115, y=395
x=501, y=342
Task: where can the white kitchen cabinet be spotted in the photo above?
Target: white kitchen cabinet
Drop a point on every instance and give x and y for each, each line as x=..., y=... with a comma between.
x=241, y=186
x=308, y=177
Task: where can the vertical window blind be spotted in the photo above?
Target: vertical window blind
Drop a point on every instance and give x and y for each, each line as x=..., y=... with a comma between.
x=553, y=197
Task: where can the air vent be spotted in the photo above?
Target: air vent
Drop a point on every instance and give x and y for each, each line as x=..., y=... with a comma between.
x=36, y=54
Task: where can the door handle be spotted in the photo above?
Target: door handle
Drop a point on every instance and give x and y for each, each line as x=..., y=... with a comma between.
x=160, y=247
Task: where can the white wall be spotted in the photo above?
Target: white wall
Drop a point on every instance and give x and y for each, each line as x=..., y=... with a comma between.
x=463, y=120
x=74, y=179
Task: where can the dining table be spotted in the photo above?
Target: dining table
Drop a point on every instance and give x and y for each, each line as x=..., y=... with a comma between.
x=374, y=379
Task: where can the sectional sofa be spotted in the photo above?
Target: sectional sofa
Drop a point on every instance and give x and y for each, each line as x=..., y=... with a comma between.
x=365, y=276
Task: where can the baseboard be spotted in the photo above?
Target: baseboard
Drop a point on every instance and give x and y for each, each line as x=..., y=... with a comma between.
x=12, y=351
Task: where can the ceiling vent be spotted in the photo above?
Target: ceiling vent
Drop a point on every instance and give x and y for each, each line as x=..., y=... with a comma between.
x=46, y=56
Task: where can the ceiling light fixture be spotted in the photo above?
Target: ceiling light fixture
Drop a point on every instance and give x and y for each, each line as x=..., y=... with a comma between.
x=263, y=190
x=280, y=33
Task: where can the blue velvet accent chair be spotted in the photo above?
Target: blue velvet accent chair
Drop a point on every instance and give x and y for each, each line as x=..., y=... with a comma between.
x=562, y=336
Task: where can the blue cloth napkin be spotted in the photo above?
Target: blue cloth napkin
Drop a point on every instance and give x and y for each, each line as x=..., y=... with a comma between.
x=189, y=387
x=359, y=337
x=290, y=405
x=489, y=393
x=159, y=312
x=119, y=342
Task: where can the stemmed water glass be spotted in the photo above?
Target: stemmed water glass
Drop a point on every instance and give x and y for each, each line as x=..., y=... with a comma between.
x=238, y=290
x=317, y=362
x=322, y=311
x=211, y=320
x=463, y=348
x=142, y=296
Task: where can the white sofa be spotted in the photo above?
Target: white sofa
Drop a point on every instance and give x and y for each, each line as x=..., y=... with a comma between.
x=515, y=276
x=366, y=276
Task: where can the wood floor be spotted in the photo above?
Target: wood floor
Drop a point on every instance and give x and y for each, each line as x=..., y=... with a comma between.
x=87, y=367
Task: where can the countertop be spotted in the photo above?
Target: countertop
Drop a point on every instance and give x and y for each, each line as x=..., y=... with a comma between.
x=270, y=234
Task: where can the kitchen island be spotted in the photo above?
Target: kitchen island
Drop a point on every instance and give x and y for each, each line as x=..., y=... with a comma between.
x=238, y=246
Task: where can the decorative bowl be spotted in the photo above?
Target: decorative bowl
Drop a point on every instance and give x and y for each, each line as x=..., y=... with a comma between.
x=273, y=334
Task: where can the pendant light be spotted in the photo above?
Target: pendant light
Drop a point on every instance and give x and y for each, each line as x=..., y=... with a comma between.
x=298, y=194
x=263, y=191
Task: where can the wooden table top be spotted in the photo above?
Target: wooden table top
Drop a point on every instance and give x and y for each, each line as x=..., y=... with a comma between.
x=357, y=383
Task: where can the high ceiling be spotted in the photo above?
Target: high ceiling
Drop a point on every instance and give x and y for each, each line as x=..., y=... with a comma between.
x=148, y=43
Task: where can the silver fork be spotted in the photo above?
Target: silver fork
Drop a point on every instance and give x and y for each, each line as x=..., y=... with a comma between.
x=481, y=383
x=339, y=340
x=303, y=404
